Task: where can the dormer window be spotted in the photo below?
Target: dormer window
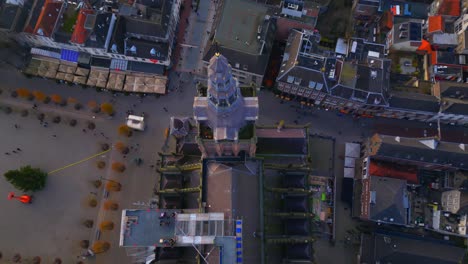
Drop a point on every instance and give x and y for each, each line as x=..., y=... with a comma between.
x=297, y=81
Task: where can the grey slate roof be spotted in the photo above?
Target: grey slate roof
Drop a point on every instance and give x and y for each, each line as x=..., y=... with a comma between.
x=404, y=248
x=152, y=18
x=391, y=200
x=306, y=61
x=147, y=49
x=8, y=15
x=445, y=153
x=459, y=109
x=453, y=90
x=100, y=30
x=254, y=63
x=362, y=49
x=413, y=101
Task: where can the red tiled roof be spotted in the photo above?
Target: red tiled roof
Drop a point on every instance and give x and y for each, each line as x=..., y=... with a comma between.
x=449, y=8
x=408, y=173
x=80, y=34
x=436, y=24
x=284, y=26
x=48, y=17
x=387, y=20
x=312, y=12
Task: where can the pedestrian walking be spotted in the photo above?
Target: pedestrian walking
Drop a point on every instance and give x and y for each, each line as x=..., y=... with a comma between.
x=16, y=126
x=84, y=130
x=54, y=136
x=18, y=149
x=6, y=153
x=165, y=109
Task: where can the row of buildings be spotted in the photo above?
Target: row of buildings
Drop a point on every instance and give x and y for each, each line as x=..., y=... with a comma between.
x=413, y=184
x=141, y=35
x=406, y=61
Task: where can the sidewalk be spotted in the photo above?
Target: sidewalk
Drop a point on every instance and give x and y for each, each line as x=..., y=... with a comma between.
x=196, y=37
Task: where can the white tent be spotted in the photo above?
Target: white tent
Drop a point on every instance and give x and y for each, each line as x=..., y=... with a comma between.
x=353, y=150
x=349, y=173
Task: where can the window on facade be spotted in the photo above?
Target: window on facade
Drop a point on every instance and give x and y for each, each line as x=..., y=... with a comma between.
x=213, y=100
x=232, y=99
x=312, y=84
x=254, y=78
x=290, y=79
x=223, y=103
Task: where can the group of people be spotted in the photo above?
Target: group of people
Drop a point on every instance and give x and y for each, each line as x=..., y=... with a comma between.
x=16, y=151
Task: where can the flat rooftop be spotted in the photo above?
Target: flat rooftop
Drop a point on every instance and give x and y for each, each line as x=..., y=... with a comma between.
x=142, y=228
x=240, y=24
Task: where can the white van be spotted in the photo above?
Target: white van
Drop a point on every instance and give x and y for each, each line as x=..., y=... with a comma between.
x=136, y=122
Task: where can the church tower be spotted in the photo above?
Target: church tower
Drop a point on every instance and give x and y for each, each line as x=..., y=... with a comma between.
x=224, y=109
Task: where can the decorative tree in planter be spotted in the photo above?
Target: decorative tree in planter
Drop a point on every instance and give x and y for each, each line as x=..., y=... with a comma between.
x=97, y=183
x=36, y=260
x=118, y=167
x=39, y=96
x=113, y=186
x=111, y=206
x=71, y=101
x=57, y=261
x=100, y=247
x=57, y=99
x=104, y=146
x=101, y=164
x=91, y=126
x=84, y=244
x=92, y=202
x=107, y=108
x=106, y=225
x=121, y=147
x=124, y=130
x=93, y=106
x=23, y=93
x=88, y=223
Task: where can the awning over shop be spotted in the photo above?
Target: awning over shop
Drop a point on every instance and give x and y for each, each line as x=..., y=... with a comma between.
x=45, y=53
x=82, y=71
x=69, y=55
x=98, y=78
x=145, y=84
x=79, y=79
x=67, y=68
x=116, y=81
x=44, y=67
x=120, y=65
